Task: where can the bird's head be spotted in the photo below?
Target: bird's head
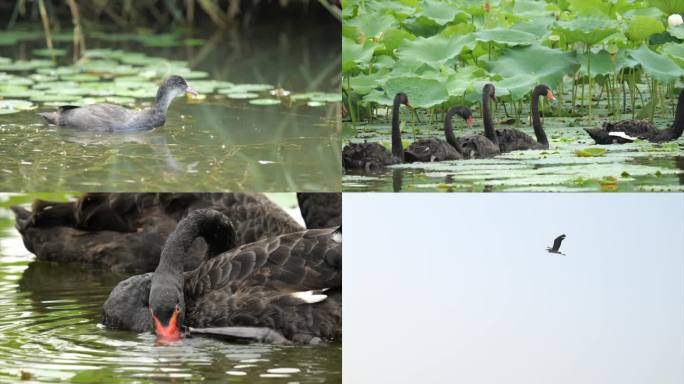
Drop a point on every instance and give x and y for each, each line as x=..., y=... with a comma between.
x=402, y=98
x=544, y=90
x=489, y=90
x=177, y=86
x=167, y=309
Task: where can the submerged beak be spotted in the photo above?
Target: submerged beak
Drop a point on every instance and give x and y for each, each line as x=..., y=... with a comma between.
x=550, y=96
x=191, y=91
x=469, y=121
x=170, y=332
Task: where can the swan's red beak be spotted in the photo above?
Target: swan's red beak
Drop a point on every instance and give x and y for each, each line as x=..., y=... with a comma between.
x=409, y=105
x=550, y=96
x=191, y=91
x=170, y=332
x=469, y=121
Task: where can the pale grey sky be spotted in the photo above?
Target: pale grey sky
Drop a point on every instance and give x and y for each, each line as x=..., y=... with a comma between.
x=458, y=288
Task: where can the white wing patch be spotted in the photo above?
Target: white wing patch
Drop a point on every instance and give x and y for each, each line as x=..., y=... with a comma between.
x=337, y=237
x=309, y=297
x=622, y=135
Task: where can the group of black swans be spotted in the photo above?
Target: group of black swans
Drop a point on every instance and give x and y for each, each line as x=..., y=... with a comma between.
x=230, y=265
x=372, y=155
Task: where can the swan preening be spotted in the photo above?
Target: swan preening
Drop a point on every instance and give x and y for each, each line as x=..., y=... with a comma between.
x=556, y=245
x=492, y=142
x=284, y=289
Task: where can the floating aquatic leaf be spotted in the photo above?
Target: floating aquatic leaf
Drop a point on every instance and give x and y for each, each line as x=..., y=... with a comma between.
x=15, y=104
x=49, y=52
x=25, y=65
x=251, y=87
x=590, y=152
x=242, y=95
x=80, y=77
x=264, y=101
x=315, y=103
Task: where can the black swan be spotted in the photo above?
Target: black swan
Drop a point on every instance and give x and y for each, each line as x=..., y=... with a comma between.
x=114, y=118
x=125, y=232
x=627, y=131
x=556, y=245
x=287, y=288
x=370, y=156
x=475, y=146
x=510, y=139
x=434, y=149
x=320, y=209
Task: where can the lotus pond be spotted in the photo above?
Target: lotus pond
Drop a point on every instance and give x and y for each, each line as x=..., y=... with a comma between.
x=49, y=332
x=605, y=61
x=265, y=119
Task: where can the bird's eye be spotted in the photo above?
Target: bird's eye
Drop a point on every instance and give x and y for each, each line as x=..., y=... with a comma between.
x=177, y=307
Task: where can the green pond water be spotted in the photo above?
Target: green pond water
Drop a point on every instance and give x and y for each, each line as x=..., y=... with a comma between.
x=639, y=166
x=266, y=120
x=50, y=332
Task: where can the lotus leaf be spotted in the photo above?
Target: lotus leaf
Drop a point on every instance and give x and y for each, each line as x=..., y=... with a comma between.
x=506, y=36
x=354, y=54
x=264, y=101
x=422, y=92
x=544, y=65
x=642, y=27
x=589, y=30
x=434, y=51
x=658, y=66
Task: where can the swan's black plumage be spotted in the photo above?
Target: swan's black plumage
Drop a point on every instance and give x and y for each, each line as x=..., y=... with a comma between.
x=126, y=231
x=510, y=139
x=114, y=118
x=371, y=156
x=630, y=130
x=434, y=149
x=320, y=210
x=249, y=286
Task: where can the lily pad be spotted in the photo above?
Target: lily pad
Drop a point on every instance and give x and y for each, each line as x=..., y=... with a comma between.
x=590, y=152
x=242, y=95
x=49, y=52
x=265, y=101
x=16, y=104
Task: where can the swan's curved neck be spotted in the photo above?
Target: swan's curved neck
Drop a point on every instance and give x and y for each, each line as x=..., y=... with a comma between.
x=449, y=128
x=536, y=121
x=490, y=133
x=677, y=127
x=397, y=147
x=211, y=225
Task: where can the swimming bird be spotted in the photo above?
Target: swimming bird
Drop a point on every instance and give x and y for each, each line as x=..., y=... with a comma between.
x=556, y=245
x=114, y=118
x=284, y=288
x=369, y=156
x=627, y=131
x=126, y=232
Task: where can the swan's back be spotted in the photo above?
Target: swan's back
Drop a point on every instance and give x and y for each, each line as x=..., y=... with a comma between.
x=477, y=147
x=515, y=140
x=431, y=149
x=366, y=156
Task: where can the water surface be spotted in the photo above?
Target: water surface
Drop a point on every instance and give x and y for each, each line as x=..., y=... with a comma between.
x=49, y=332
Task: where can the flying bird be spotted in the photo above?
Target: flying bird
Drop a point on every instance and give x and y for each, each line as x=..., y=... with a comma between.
x=556, y=245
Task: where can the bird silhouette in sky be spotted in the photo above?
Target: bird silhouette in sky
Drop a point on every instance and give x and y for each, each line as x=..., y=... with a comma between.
x=556, y=245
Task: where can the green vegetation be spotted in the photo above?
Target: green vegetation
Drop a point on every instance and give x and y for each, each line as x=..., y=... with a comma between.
x=443, y=51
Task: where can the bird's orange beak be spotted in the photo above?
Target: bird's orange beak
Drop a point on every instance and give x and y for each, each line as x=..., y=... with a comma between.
x=170, y=332
x=550, y=96
x=469, y=121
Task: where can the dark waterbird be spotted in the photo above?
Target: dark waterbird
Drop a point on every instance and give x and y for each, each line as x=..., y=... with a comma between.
x=510, y=139
x=556, y=245
x=286, y=288
x=126, y=231
x=114, y=118
x=627, y=131
x=434, y=149
x=370, y=156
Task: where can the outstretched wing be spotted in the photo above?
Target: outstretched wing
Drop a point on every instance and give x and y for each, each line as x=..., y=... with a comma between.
x=558, y=241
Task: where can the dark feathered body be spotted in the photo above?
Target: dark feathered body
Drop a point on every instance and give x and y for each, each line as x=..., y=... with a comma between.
x=126, y=232
x=476, y=146
x=367, y=156
x=320, y=210
x=511, y=139
x=113, y=118
x=250, y=286
x=639, y=129
x=432, y=149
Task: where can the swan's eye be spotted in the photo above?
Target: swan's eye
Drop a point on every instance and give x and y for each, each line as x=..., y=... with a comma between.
x=177, y=308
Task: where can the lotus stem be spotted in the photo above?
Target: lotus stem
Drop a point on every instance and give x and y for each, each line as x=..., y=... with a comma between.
x=79, y=39
x=590, y=80
x=46, y=27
